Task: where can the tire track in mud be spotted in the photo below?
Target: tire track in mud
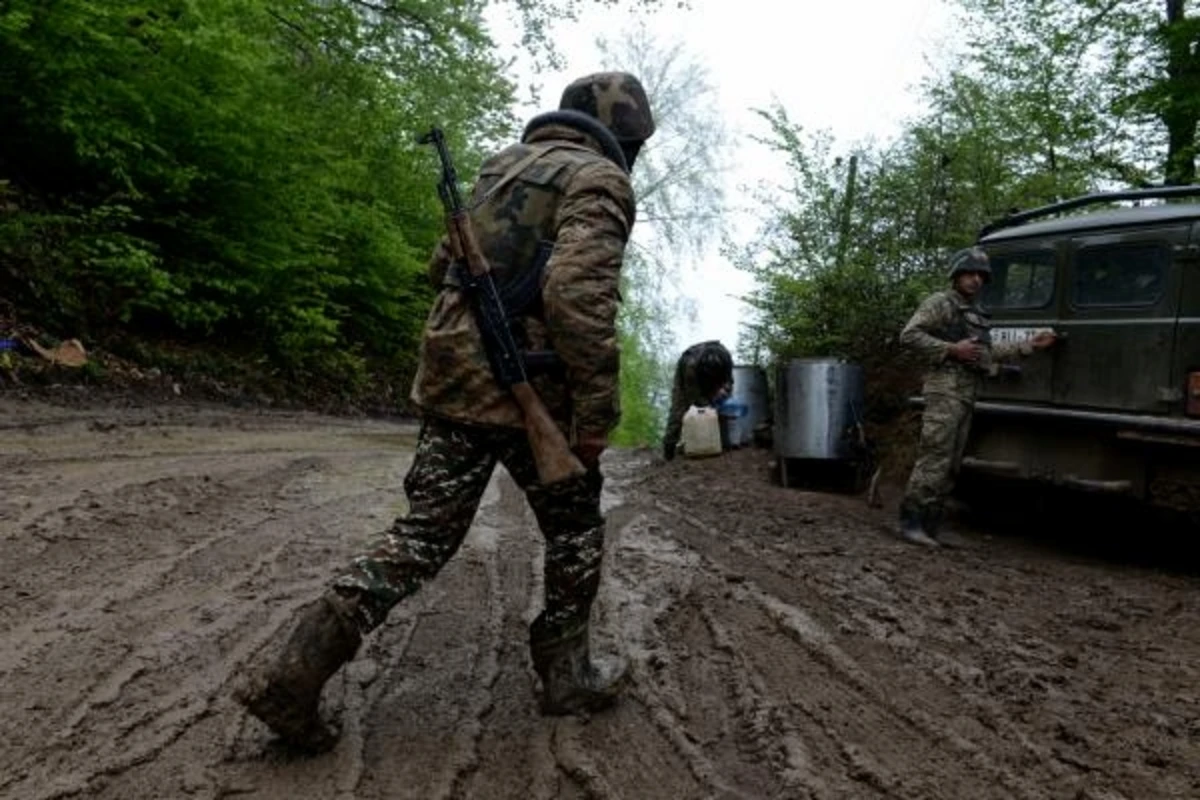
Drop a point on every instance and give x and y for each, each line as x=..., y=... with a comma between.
x=986, y=669
x=818, y=642
x=641, y=746
x=466, y=758
x=651, y=562
x=151, y=574
x=450, y=673
x=737, y=732
x=771, y=734
x=167, y=709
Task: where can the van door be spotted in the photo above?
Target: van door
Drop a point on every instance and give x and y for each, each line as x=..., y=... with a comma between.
x=1119, y=318
x=1022, y=300
x=1186, y=358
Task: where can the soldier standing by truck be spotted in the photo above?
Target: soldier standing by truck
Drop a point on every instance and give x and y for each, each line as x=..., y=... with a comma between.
x=950, y=333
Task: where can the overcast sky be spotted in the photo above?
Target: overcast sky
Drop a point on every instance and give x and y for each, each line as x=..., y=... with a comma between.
x=846, y=67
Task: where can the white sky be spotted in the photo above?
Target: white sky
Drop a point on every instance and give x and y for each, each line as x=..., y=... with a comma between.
x=847, y=67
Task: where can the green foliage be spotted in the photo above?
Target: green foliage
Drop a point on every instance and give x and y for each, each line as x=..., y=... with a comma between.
x=842, y=265
x=677, y=180
x=644, y=331
x=243, y=174
x=238, y=172
x=1048, y=99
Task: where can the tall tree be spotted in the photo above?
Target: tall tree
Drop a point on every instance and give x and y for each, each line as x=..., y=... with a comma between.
x=537, y=20
x=1104, y=87
x=679, y=183
x=1173, y=94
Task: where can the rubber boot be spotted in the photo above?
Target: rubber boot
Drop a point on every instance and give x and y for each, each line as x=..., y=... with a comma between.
x=571, y=681
x=912, y=527
x=931, y=521
x=286, y=694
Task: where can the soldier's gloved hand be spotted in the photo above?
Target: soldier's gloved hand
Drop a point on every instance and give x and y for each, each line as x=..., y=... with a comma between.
x=1043, y=340
x=589, y=448
x=967, y=351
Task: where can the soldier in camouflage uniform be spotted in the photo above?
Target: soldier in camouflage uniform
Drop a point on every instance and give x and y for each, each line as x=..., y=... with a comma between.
x=553, y=214
x=950, y=332
x=703, y=377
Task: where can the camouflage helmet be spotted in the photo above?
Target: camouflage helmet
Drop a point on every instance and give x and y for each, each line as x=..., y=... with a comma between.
x=617, y=99
x=970, y=259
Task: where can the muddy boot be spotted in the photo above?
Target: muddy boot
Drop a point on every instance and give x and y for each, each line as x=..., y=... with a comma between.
x=931, y=521
x=285, y=695
x=912, y=527
x=947, y=537
x=571, y=681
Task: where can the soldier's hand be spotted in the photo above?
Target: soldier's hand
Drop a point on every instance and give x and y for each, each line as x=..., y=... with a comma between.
x=590, y=447
x=1043, y=340
x=967, y=350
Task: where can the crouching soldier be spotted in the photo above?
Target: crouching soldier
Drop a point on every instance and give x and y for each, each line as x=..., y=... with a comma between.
x=703, y=377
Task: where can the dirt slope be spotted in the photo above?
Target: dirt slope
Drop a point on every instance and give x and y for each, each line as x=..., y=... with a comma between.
x=783, y=646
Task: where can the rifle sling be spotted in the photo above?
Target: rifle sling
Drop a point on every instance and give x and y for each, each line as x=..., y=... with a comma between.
x=520, y=167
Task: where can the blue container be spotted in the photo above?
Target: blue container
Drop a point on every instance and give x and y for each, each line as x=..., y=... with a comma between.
x=750, y=395
x=730, y=412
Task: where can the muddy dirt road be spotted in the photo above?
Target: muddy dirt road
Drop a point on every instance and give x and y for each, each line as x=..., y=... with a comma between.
x=782, y=645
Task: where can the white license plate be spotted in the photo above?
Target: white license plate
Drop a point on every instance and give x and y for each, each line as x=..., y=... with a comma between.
x=1007, y=335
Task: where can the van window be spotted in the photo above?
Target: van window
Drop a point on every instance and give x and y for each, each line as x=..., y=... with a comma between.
x=1131, y=274
x=1020, y=280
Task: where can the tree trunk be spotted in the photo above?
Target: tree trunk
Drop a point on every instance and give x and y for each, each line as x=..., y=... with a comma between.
x=1181, y=111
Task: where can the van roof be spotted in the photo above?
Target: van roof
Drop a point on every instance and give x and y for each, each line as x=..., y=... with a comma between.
x=1021, y=224
x=1121, y=218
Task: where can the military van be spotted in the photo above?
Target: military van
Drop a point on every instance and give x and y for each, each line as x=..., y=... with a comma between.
x=1114, y=406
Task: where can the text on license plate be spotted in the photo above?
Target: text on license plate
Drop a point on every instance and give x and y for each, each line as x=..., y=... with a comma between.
x=1006, y=335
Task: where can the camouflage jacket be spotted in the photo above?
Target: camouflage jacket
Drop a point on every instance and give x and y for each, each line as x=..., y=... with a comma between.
x=941, y=320
x=560, y=191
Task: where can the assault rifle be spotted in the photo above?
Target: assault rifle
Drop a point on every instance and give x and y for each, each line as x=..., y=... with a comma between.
x=551, y=453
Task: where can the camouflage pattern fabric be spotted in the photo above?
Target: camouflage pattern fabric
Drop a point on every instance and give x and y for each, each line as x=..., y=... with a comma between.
x=950, y=388
x=450, y=470
x=617, y=99
x=567, y=194
x=945, y=425
x=686, y=391
x=941, y=320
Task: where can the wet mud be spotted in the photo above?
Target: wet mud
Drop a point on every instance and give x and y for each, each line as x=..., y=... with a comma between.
x=783, y=643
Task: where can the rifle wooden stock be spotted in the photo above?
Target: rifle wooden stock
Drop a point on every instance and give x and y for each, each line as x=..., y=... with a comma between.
x=551, y=453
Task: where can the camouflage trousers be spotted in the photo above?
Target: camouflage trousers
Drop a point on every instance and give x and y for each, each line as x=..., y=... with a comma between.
x=450, y=471
x=945, y=425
